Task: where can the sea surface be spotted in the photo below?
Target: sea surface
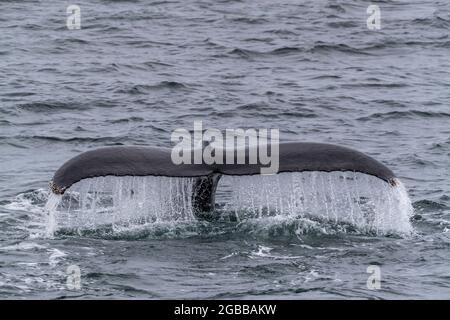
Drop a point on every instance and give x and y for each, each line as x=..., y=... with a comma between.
x=137, y=70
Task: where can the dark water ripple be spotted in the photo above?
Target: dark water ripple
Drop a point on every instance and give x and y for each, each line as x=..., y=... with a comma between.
x=139, y=69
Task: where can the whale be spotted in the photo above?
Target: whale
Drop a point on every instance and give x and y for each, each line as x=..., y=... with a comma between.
x=156, y=161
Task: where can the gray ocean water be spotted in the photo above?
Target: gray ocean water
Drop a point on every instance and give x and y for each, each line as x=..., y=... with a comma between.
x=139, y=69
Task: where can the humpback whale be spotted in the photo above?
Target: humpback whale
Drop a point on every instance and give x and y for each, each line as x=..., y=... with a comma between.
x=153, y=161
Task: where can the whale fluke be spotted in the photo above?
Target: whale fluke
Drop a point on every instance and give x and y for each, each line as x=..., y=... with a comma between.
x=152, y=161
x=122, y=161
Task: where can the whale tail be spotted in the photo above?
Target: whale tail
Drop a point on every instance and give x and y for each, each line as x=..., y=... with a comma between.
x=151, y=161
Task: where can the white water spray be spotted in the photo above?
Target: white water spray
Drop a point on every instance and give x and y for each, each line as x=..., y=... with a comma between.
x=121, y=202
x=50, y=209
x=364, y=201
x=124, y=203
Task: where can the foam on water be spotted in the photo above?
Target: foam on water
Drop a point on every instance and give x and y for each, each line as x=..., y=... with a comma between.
x=123, y=204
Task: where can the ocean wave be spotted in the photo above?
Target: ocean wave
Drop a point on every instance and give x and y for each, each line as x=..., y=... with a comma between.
x=106, y=140
x=68, y=41
x=153, y=64
x=411, y=114
x=126, y=120
x=317, y=48
x=343, y=24
x=376, y=85
x=145, y=88
x=248, y=20
x=247, y=53
x=52, y=106
x=435, y=21
x=282, y=32
x=322, y=48
x=430, y=206
x=335, y=7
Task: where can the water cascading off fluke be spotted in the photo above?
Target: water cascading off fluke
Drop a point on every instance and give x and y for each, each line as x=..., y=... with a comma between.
x=153, y=188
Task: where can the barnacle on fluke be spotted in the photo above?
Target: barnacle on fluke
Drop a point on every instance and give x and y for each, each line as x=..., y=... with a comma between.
x=55, y=189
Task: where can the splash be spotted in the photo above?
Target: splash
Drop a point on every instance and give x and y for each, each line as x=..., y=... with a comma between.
x=50, y=209
x=123, y=202
x=161, y=206
x=363, y=201
x=32, y=219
